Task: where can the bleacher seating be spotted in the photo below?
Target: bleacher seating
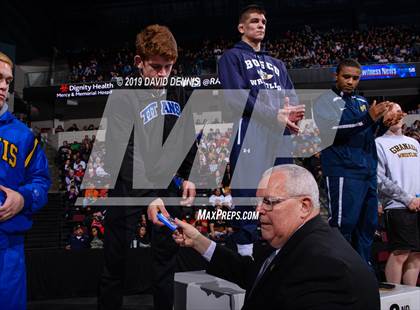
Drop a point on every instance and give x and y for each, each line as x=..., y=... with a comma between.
x=47, y=228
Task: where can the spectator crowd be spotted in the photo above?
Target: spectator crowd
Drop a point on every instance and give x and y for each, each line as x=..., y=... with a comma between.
x=73, y=162
x=307, y=48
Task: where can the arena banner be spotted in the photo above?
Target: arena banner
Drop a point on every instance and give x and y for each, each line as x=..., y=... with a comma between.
x=388, y=71
x=91, y=89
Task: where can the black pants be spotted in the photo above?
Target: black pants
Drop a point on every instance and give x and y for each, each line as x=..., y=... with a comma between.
x=120, y=227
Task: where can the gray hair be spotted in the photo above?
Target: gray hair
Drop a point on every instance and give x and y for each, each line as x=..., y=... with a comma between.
x=300, y=182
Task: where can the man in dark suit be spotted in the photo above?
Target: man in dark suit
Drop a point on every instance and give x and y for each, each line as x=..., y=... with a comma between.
x=309, y=265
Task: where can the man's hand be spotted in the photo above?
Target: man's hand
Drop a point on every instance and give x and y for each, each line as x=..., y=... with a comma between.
x=414, y=204
x=12, y=205
x=187, y=235
x=153, y=209
x=392, y=118
x=377, y=110
x=188, y=193
x=291, y=115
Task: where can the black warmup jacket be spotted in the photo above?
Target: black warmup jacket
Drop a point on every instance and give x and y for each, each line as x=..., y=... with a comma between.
x=146, y=137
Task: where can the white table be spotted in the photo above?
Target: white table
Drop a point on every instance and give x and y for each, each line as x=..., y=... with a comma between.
x=197, y=290
x=402, y=297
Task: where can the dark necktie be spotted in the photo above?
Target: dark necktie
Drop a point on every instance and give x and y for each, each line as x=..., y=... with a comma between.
x=264, y=267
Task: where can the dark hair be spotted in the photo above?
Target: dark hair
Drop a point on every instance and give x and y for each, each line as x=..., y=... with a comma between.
x=139, y=227
x=77, y=226
x=348, y=63
x=100, y=236
x=252, y=8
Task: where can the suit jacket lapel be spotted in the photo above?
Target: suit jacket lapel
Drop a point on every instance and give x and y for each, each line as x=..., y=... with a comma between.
x=278, y=261
x=258, y=264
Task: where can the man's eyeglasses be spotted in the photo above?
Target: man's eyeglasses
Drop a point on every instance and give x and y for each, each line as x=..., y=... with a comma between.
x=268, y=203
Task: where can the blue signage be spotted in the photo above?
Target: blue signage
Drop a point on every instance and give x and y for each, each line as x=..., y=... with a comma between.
x=388, y=71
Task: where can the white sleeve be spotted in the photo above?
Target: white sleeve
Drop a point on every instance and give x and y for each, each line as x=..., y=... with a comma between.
x=386, y=186
x=209, y=252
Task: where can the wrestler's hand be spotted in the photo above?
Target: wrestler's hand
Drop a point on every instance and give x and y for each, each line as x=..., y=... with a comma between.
x=392, y=118
x=377, y=110
x=154, y=208
x=296, y=112
x=188, y=193
x=12, y=205
x=291, y=115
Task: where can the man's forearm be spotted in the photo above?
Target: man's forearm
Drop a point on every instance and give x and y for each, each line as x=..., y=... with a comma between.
x=201, y=244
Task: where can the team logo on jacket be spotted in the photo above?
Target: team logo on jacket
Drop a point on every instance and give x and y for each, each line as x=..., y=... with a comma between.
x=9, y=152
x=397, y=149
x=170, y=108
x=264, y=65
x=149, y=112
x=264, y=75
x=167, y=107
